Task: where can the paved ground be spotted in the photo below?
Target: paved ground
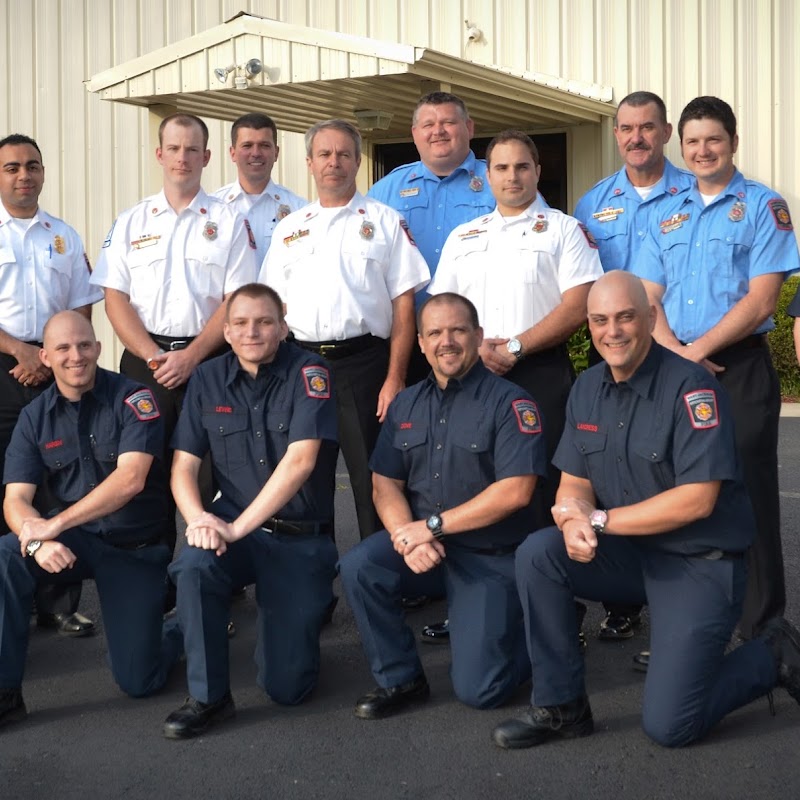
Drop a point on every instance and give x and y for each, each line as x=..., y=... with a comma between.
x=84, y=739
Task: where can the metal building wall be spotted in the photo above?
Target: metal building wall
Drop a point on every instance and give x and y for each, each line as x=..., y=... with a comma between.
x=96, y=164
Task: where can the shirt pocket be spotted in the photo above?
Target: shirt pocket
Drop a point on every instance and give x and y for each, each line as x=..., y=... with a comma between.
x=364, y=259
x=612, y=242
x=676, y=252
x=61, y=457
x=146, y=267
x=728, y=248
x=7, y=257
x=473, y=456
x=228, y=438
x=207, y=263
x=539, y=252
x=653, y=456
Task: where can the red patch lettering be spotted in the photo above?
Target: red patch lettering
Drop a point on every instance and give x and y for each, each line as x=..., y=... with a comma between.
x=702, y=408
x=590, y=240
x=585, y=426
x=56, y=443
x=223, y=409
x=404, y=426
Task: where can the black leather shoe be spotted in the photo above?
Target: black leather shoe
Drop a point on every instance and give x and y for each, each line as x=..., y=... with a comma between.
x=539, y=724
x=413, y=603
x=328, y=618
x=641, y=661
x=193, y=717
x=437, y=633
x=67, y=624
x=784, y=641
x=231, y=629
x=381, y=702
x=617, y=626
x=12, y=706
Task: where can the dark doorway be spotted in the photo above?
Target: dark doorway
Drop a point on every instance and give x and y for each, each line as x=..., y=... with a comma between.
x=552, y=154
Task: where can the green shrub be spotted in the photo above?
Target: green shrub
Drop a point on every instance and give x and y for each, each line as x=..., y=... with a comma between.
x=781, y=342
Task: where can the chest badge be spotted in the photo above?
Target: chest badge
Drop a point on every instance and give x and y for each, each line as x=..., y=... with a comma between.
x=283, y=211
x=736, y=214
x=540, y=226
x=210, y=231
x=476, y=183
x=367, y=230
x=59, y=246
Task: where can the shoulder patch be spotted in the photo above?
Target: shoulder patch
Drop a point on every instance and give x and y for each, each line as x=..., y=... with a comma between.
x=702, y=408
x=318, y=382
x=88, y=263
x=590, y=240
x=780, y=213
x=250, y=238
x=107, y=240
x=407, y=230
x=528, y=417
x=143, y=404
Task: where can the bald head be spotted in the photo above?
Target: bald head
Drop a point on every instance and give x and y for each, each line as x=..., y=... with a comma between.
x=621, y=322
x=71, y=350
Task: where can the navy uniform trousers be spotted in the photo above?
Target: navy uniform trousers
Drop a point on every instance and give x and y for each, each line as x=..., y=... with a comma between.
x=130, y=585
x=694, y=606
x=293, y=575
x=489, y=660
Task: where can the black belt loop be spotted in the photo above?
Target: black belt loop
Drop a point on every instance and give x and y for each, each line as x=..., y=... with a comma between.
x=274, y=525
x=170, y=343
x=335, y=349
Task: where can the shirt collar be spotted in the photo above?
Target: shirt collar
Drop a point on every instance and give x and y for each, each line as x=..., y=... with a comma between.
x=421, y=171
x=737, y=187
x=199, y=204
x=100, y=391
x=357, y=205
x=279, y=366
x=468, y=383
x=41, y=216
x=642, y=380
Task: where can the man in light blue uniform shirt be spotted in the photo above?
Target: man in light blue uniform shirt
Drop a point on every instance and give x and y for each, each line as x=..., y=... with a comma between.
x=713, y=266
x=616, y=211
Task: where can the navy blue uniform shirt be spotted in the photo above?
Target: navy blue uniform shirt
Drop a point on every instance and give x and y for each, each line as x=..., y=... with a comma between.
x=75, y=446
x=248, y=424
x=449, y=445
x=669, y=425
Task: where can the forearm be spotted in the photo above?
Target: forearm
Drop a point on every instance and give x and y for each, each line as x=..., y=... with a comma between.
x=287, y=478
x=666, y=511
x=16, y=510
x=390, y=502
x=559, y=324
x=494, y=503
x=210, y=339
x=184, y=485
x=12, y=346
x=402, y=336
x=128, y=326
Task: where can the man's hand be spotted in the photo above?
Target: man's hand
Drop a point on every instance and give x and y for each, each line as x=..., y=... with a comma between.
x=390, y=389
x=209, y=532
x=34, y=528
x=411, y=535
x=53, y=557
x=694, y=354
x=425, y=557
x=580, y=540
x=29, y=370
x=570, y=508
x=175, y=368
x=496, y=357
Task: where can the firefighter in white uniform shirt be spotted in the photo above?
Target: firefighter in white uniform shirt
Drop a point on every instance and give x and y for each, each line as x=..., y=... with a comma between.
x=528, y=269
x=255, y=195
x=347, y=269
x=167, y=265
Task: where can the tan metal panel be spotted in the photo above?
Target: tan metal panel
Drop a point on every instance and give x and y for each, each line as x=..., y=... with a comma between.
x=786, y=111
x=544, y=51
x=613, y=32
x=646, y=49
x=415, y=23
x=384, y=21
x=514, y=23
x=305, y=63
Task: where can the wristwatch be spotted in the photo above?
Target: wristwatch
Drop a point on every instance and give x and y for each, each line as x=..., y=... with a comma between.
x=514, y=346
x=32, y=546
x=598, y=519
x=434, y=525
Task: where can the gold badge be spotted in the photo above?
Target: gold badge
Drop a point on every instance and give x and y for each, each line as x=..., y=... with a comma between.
x=540, y=226
x=59, y=246
x=367, y=230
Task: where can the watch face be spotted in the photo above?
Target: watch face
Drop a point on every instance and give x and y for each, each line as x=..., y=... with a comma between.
x=514, y=346
x=598, y=518
x=434, y=522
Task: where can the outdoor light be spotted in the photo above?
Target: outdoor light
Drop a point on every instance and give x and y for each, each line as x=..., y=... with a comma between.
x=370, y=120
x=243, y=72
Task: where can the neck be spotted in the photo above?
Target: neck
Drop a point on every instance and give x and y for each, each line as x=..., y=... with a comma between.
x=251, y=187
x=179, y=199
x=514, y=211
x=645, y=177
x=714, y=186
x=327, y=200
x=23, y=213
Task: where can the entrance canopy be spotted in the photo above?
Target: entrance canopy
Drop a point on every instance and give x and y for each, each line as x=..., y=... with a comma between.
x=307, y=75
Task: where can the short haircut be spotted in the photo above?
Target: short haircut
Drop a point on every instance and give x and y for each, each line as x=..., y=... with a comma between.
x=185, y=121
x=255, y=291
x=337, y=125
x=639, y=99
x=255, y=121
x=440, y=99
x=449, y=299
x=708, y=108
x=20, y=138
x=512, y=136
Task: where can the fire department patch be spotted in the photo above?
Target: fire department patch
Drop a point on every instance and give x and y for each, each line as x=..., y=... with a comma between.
x=88, y=263
x=528, y=417
x=143, y=404
x=780, y=213
x=702, y=407
x=592, y=242
x=250, y=238
x=404, y=226
x=318, y=382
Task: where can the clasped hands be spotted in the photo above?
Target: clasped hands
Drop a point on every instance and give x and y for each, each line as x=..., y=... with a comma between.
x=571, y=515
x=416, y=544
x=209, y=532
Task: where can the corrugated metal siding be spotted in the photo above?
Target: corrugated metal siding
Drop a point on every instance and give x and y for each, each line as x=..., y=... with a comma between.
x=99, y=158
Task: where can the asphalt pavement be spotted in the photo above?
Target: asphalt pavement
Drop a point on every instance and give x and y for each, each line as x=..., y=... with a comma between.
x=84, y=739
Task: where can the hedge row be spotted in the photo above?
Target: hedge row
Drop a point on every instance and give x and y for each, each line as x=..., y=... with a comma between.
x=781, y=342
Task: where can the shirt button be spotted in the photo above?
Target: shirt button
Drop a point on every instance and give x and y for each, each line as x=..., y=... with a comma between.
x=86, y=458
x=92, y=485
x=222, y=430
x=262, y=462
x=690, y=302
x=258, y=434
x=620, y=424
x=619, y=459
x=438, y=505
x=436, y=476
x=439, y=446
x=442, y=421
x=654, y=456
x=473, y=446
x=281, y=426
x=255, y=408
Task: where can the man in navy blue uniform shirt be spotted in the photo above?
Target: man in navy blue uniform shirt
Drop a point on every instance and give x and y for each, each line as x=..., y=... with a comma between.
x=94, y=438
x=651, y=508
x=266, y=412
x=713, y=266
x=455, y=468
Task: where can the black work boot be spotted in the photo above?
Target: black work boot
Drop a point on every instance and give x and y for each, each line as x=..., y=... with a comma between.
x=539, y=724
x=12, y=706
x=784, y=641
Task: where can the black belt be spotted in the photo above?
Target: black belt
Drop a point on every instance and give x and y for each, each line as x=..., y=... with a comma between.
x=35, y=344
x=341, y=348
x=135, y=545
x=274, y=525
x=495, y=551
x=719, y=555
x=170, y=343
x=756, y=341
